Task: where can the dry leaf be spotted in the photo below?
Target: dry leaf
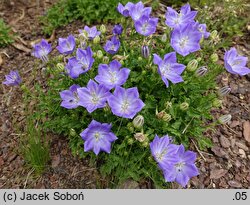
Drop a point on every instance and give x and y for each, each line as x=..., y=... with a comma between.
x=1, y=60
x=21, y=47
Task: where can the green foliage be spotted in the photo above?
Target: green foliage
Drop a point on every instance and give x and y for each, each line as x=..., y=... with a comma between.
x=35, y=148
x=89, y=11
x=130, y=158
x=5, y=34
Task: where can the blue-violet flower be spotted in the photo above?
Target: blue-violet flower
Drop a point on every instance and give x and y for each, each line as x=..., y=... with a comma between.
x=98, y=137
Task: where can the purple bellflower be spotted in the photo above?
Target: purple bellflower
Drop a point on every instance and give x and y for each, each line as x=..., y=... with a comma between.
x=41, y=50
x=175, y=19
x=98, y=137
x=112, y=75
x=203, y=29
x=183, y=169
x=93, y=96
x=66, y=45
x=163, y=151
x=73, y=68
x=125, y=102
x=124, y=10
x=112, y=46
x=12, y=79
x=85, y=58
x=235, y=63
x=146, y=26
x=91, y=32
x=186, y=39
x=169, y=69
x=70, y=98
x=138, y=10
x=117, y=30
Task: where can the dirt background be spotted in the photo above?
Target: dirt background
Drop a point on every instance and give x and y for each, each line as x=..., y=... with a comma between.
x=226, y=165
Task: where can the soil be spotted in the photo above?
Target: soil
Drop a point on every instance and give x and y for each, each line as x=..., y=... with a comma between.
x=225, y=165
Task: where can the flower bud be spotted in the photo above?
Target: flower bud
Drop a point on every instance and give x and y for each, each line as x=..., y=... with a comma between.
x=224, y=90
x=83, y=45
x=217, y=103
x=122, y=62
x=192, y=65
x=184, y=106
x=167, y=118
x=201, y=71
x=214, y=57
x=117, y=30
x=199, y=59
x=77, y=41
x=144, y=72
x=96, y=40
x=150, y=159
x=130, y=141
x=161, y=114
x=138, y=121
x=103, y=29
x=140, y=137
x=214, y=34
x=94, y=54
x=99, y=54
x=44, y=71
x=106, y=108
x=145, y=144
x=164, y=38
x=225, y=119
x=105, y=59
x=130, y=127
x=125, y=153
x=72, y=132
x=60, y=57
x=60, y=67
x=139, y=58
x=145, y=51
x=83, y=35
x=168, y=105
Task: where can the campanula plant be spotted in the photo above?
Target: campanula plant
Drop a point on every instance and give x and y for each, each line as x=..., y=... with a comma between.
x=134, y=99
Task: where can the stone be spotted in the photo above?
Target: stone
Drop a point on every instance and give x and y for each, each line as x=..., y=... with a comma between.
x=55, y=161
x=242, y=146
x=234, y=123
x=234, y=184
x=242, y=153
x=246, y=130
x=1, y=161
x=129, y=184
x=224, y=142
x=217, y=173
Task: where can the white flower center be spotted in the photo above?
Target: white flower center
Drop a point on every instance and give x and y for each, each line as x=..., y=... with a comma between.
x=125, y=105
x=159, y=156
x=179, y=166
x=183, y=41
x=145, y=27
x=68, y=45
x=95, y=99
x=97, y=136
x=236, y=62
x=83, y=62
x=165, y=69
x=113, y=77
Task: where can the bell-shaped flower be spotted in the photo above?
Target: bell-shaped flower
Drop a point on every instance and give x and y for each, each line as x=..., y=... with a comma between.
x=98, y=137
x=235, y=63
x=169, y=69
x=112, y=75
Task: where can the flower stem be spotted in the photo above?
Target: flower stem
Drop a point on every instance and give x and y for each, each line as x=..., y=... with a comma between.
x=119, y=127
